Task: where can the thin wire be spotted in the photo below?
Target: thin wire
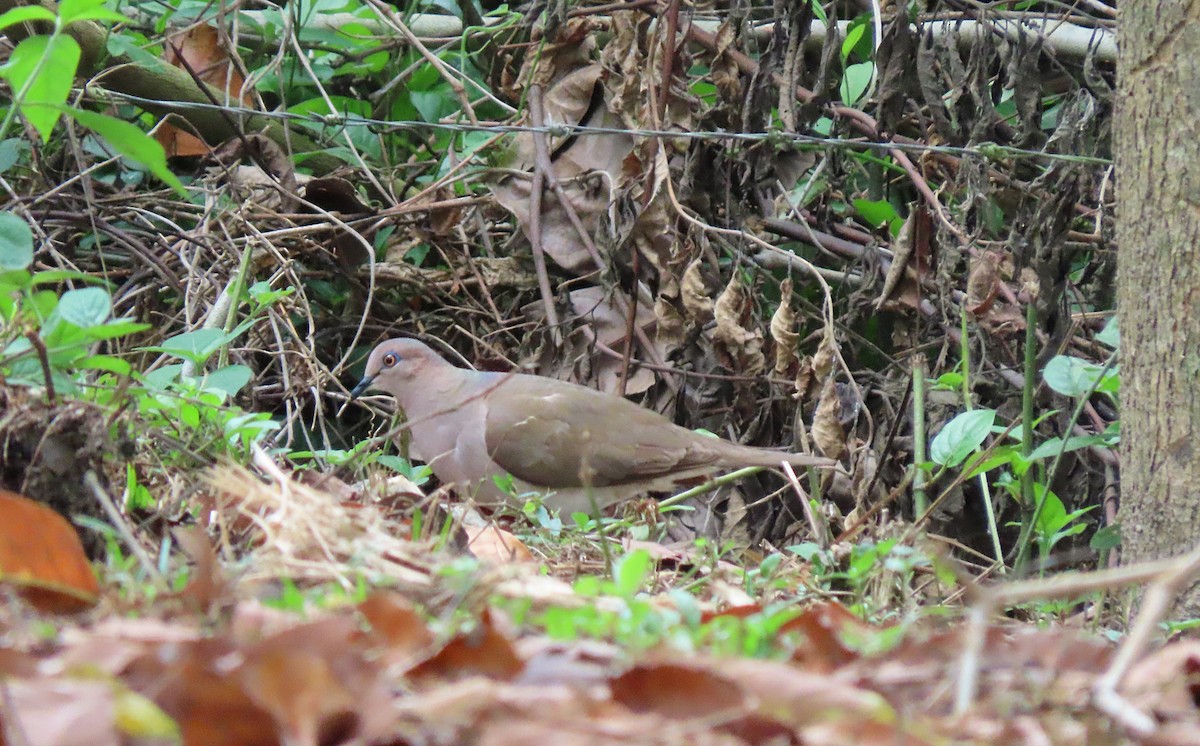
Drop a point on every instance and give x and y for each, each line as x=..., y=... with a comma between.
x=985, y=150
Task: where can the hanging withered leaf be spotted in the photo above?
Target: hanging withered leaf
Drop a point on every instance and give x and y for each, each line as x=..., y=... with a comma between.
x=901, y=280
x=739, y=348
x=827, y=430
x=815, y=369
x=694, y=294
x=982, y=284
x=783, y=331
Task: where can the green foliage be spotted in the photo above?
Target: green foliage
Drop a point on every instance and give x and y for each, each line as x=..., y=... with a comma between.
x=961, y=436
x=41, y=71
x=43, y=330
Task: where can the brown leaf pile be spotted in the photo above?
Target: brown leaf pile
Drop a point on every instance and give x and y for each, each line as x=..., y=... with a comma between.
x=378, y=673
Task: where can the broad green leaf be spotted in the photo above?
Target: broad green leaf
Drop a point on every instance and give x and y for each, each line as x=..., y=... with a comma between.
x=230, y=379
x=630, y=572
x=1009, y=455
x=116, y=328
x=1072, y=376
x=70, y=11
x=85, y=307
x=960, y=436
x=1110, y=335
x=1051, y=447
x=855, y=80
x=12, y=151
x=876, y=212
x=16, y=243
x=130, y=142
x=196, y=346
x=105, y=362
x=1053, y=515
x=160, y=378
x=47, y=84
x=1106, y=538
x=25, y=13
x=58, y=276
x=189, y=414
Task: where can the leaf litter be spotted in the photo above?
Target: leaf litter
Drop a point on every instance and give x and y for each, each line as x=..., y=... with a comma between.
x=415, y=649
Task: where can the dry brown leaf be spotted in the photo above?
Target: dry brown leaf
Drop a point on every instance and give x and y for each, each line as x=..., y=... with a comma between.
x=803, y=699
x=726, y=74
x=827, y=431
x=982, y=284
x=484, y=651
x=314, y=681
x=207, y=586
x=739, y=348
x=59, y=712
x=1166, y=683
x=694, y=294
x=589, y=197
x=826, y=626
x=42, y=558
x=198, y=50
x=401, y=628
x=678, y=690
x=783, y=331
x=495, y=546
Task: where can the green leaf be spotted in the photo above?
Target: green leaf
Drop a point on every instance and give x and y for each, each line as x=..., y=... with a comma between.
x=105, y=362
x=1106, y=538
x=1110, y=335
x=189, y=414
x=47, y=84
x=230, y=379
x=876, y=212
x=16, y=243
x=116, y=328
x=12, y=151
x=24, y=14
x=86, y=307
x=855, y=81
x=1051, y=447
x=853, y=35
x=1072, y=376
x=960, y=436
x=1053, y=515
x=130, y=142
x=160, y=378
x=70, y=11
x=1009, y=455
x=630, y=573
x=196, y=346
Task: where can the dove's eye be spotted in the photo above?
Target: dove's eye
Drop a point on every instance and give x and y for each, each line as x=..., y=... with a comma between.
x=389, y=360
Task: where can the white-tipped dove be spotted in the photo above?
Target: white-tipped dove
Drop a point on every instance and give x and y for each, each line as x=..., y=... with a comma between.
x=580, y=446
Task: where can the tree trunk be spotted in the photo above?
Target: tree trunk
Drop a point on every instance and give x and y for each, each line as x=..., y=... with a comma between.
x=1158, y=285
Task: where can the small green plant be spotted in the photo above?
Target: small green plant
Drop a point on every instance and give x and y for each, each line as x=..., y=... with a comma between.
x=41, y=71
x=46, y=332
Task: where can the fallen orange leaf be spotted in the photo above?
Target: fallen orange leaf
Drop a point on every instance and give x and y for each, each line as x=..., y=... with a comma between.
x=495, y=546
x=41, y=555
x=198, y=50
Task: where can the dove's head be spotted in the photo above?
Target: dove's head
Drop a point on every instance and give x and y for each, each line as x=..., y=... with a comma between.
x=394, y=364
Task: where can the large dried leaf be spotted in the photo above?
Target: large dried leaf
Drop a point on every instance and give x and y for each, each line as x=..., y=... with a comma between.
x=827, y=430
x=783, y=331
x=198, y=50
x=740, y=348
x=693, y=292
x=42, y=558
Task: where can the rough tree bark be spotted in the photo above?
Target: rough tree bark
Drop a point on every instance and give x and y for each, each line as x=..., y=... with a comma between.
x=1158, y=286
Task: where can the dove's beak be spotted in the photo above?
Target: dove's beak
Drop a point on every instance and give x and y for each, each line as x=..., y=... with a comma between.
x=362, y=386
